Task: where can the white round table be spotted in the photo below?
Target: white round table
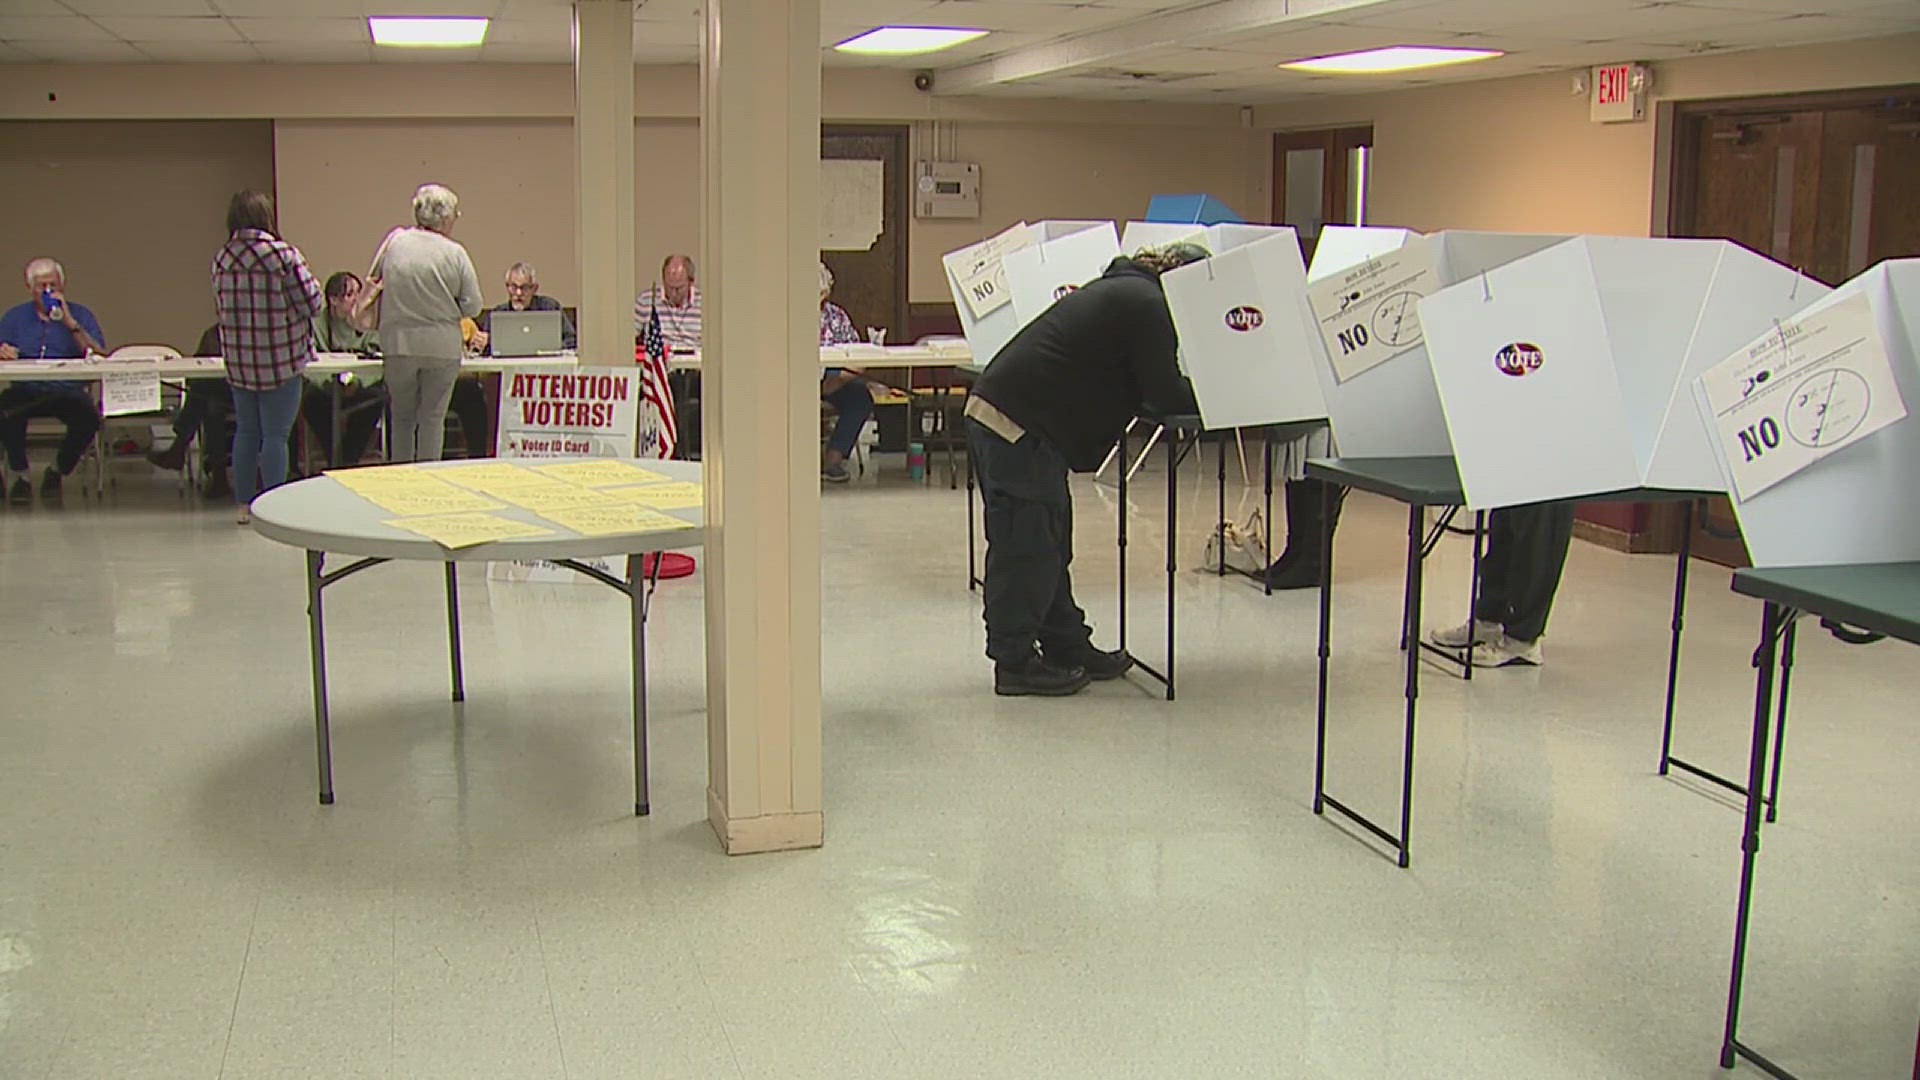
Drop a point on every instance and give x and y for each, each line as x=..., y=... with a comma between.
x=323, y=516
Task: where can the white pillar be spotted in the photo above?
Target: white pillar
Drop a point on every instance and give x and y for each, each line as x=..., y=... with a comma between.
x=603, y=177
x=760, y=374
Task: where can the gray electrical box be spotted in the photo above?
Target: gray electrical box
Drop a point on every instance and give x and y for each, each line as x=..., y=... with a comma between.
x=946, y=189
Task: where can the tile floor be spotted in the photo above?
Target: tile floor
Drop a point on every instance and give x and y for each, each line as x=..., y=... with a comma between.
x=1108, y=886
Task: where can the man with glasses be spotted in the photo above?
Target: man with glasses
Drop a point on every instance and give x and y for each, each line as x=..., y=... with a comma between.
x=523, y=294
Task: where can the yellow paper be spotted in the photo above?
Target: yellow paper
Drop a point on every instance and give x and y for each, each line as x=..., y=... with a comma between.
x=503, y=486
x=613, y=518
x=389, y=478
x=560, y=497
x=680, y=495
x=466, y=530
x=600, y=472
x=409, y=502
x=479, y=476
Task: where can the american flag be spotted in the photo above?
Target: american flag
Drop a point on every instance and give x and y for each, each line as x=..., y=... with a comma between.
x=665, y=432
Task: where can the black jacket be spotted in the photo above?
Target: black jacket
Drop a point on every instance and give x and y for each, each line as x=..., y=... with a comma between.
x=1090, y=363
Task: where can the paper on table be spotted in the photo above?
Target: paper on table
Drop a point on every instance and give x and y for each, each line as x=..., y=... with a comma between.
x=123, y=393
x=391, y=478
x=681, y=495
x=599, y=472
x=467, y=530
x=412, y=502
x=1369, y=313
x=563, y=497
x=1812, y=385
x=612, y=518
x=474, y=476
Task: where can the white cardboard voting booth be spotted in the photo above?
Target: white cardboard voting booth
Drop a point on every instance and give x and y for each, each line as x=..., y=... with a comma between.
x=1857, y=504
x=1393, y=409
x=983, y=276
x=1246, y=336
x=1135, y=235
x=1558, y=372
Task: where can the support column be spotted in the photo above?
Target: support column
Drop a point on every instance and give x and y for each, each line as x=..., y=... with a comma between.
x=760, y=174
x=603, y=177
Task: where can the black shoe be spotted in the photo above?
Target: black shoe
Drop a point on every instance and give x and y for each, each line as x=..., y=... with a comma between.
x=1039, y=678
x=216, y=486
x=1096, y=663
x=22, y=492
x=173, y=457
x=50, y=485
x=1303, y=574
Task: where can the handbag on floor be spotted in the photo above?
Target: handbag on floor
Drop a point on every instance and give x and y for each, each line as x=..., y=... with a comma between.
x=1245, y=544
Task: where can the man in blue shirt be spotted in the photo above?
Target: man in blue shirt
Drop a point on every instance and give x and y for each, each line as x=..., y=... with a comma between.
x=47, y=327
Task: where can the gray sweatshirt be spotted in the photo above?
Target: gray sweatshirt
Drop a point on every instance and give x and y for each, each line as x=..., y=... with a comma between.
x=430, y=286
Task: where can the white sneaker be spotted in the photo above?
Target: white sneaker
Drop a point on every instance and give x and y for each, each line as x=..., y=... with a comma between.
x=245, y=516
x=1468, y=633
x=1504, y=651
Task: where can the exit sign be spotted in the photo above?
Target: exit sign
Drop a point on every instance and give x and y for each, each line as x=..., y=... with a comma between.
x=1619, y=93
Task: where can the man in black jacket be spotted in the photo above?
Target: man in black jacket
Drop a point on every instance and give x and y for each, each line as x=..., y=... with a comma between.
x=1054, y=399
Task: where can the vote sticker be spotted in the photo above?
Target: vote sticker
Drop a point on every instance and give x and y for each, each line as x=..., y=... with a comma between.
x=1518, y=359
x=1245, y=318
x=1061, y=292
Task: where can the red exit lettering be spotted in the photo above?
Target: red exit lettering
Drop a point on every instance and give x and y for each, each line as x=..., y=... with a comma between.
x=1613, y=85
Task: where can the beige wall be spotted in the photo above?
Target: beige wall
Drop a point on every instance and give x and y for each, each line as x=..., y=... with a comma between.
x=352, y=142
x=133, y=210
x=1520, y=154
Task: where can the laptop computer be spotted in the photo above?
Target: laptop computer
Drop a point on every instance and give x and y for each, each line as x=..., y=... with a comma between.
x=524, y=333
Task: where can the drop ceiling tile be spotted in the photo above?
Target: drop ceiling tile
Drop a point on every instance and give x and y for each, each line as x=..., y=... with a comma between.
x=284, y=9
x=1455, y=16
x=156, y=8
x=389, y=55
x=485, y=8
x=1297, y=42
x=50, y=28
x=545, y=32
x=507, y=52
x=188, y=28
x=201, y=52
x=326, y=29
x=1003, y=15
x=11, y=55
x=37, y=7
x=82, y=52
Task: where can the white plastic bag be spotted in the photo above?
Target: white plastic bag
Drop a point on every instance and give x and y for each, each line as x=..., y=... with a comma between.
x=1246, y=546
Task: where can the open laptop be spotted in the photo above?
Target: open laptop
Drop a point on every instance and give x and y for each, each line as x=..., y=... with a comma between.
x=524, y=333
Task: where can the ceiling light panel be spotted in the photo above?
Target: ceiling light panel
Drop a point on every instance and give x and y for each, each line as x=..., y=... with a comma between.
x=1390, y=60
x=436, y=32
x=908, y=40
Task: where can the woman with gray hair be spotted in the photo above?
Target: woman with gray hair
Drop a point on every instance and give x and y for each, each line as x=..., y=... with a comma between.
x=427, y=286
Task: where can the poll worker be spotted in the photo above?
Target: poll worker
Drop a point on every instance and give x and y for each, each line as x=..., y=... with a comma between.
x=677, y=299
x=267, y=300
x=363, y=393
x=208, y=404
x=523, y=294
x=47, y=327
x=1526, y=552
x=846, y=389
x=429, y=287
x=1053, y=400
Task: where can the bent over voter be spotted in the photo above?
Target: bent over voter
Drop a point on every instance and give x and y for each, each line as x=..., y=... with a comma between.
x=1055, y=399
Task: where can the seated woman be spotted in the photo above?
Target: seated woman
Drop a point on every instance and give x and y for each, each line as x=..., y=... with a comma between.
x=363, y=397
x=846, y=389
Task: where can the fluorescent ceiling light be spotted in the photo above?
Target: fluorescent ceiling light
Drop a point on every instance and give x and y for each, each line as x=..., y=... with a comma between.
x=427, y=33
x=907, y=40
x=1390, y=59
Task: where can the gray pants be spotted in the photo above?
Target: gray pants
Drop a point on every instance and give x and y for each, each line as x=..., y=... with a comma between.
x=419, y=390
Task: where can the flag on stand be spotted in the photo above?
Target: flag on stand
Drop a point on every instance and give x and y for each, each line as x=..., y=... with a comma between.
x=663, y=434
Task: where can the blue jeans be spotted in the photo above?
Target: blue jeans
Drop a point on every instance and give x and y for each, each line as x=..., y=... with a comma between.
x=262, y=421
x=855, y=404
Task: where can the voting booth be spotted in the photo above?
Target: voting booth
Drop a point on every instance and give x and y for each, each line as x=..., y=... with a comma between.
x=1808, y=423
x=1246, y=336
x=1568, y=372
x=1000, y=284
x=1365, y=287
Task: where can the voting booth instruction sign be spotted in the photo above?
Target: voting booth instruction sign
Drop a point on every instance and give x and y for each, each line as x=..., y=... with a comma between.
x=1369, y=313
x=566, y=413
x=1808, y=387
x=979, y=270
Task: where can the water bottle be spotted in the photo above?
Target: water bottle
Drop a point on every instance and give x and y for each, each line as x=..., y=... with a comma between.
x=917, y=461
x=51, y=303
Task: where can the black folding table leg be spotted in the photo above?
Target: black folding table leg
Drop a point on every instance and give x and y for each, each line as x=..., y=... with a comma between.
x=1771, y=618
x=1122, y=515
x=1673, y=651
x=1220, y=528
x=1266, y=522
x=1173, y=543
x=1780, y=721
x=1326, y=651
x=1415, y=566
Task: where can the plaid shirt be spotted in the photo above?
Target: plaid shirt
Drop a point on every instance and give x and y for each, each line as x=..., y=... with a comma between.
x=266, y=300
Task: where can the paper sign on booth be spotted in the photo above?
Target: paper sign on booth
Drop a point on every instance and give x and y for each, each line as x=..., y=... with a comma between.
x=126, y=393
x=979, y=273
x=1807, y=388
x=1368, y=314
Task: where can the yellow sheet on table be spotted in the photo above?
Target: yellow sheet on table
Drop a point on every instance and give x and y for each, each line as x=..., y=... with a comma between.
x=559, y=497
x=505, y=487
x=600, y=472
x=681, y=495
x=502, y=472
x=613, y=518
x=413, y=502
x=466, y=530
x=389, y=478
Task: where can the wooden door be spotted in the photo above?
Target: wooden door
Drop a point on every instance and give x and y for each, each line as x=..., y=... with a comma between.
x=872, y=284
x=1320, y=178
x=1823, y=185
